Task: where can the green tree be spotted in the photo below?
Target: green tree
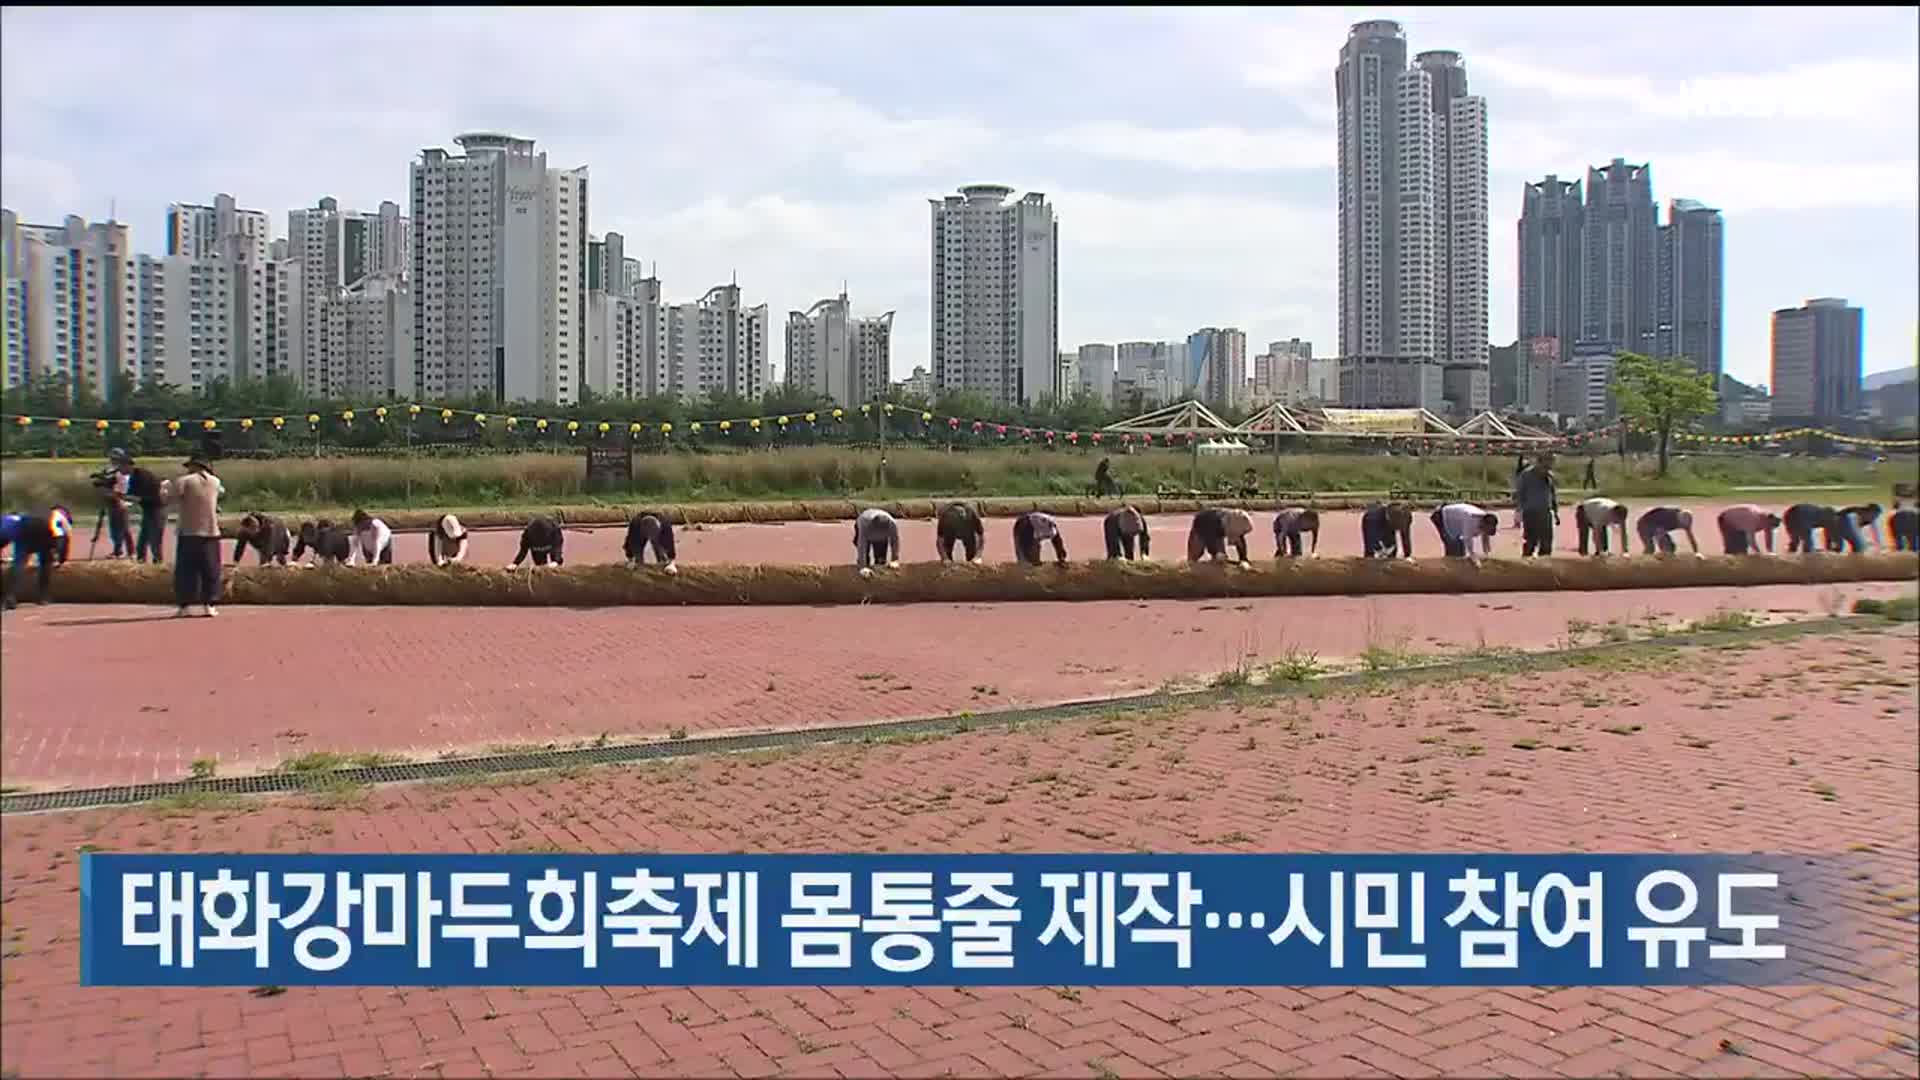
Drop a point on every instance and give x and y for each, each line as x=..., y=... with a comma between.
x=1662, y=395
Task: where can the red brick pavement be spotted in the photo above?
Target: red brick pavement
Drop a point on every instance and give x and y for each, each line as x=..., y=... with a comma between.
x=1728, y=756
x=102, y=694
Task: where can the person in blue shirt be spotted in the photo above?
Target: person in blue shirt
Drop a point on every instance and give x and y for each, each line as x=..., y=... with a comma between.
x=45, y=539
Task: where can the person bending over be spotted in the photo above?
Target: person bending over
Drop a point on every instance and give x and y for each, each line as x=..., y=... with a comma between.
x=447, y=541
x=1904, y=524
x=328, y=543
x=1214, y=529
x=1801, y=519
x=1594, y=518
x=266, y=536
x=1460, y=525
x=1853, y=524
x=1386, y=531
x=1741, y=527
x=1123, y=527
x=650, y=530
x=45, y=540
x=960, y=524
x=544, y=540
x=1030, y=530
x=1288, y=524
x=1657, y=526
x=876, y=540
x=372, y=540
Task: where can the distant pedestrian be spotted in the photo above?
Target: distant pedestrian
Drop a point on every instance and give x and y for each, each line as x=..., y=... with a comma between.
x=1591, y=480
x=196, y=570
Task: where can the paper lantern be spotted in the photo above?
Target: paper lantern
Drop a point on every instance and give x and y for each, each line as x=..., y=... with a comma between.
x=837, y=414
x=810, y=418
x=208, y=425
x=479, y=419
x=1000, y=430
x=513, y=422
x=173, y=428
x=605, y=427
x=413, y=410
x=978, y=427
x=446, y=416
x=726, y=426
x=279, y=422
x=138, y=425
x=926, y=418
x=633, y=428
x=783, y=421
x=667, y=429
x=380, y=414
x=693, y=427
x=100, y=425
x=540, y=425
x=23, y=421
x=953, y=423
x=889, y=408
x=754, y=423
x=246, y=424
x=864, y=409
x=572, y=427
x=314, y=419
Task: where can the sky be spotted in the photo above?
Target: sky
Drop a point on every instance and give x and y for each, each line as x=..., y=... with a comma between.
x=1188, y=152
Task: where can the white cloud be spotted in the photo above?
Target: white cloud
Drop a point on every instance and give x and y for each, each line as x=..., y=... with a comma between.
x=1207, y=149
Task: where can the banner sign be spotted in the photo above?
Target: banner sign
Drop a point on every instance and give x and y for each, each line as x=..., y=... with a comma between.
x=1378, y=421
x=943, y=920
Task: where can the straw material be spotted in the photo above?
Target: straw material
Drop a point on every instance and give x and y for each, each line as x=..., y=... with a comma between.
x=603, y=585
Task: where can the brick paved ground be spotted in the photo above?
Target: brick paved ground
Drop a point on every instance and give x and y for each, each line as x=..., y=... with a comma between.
x=101, y=694
x=1805, y=746
x=832, y=542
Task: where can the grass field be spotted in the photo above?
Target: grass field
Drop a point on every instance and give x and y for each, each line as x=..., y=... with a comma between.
x=311, y=484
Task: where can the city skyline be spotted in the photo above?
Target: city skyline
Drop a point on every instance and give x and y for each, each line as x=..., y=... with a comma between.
x=1216, y=199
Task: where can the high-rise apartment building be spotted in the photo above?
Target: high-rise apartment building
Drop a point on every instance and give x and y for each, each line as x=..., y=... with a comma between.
x=1691, y=292
x=1216, y=366
x=1620, y=293
x=369, y=352
x=205, y=232
x=499, y=272
x=717, y=345
x=65, y=298
x=1284, y=373
x=1094, y=372
x=1413, y=218
x=627, y=352
x=337, y=249
x=833, y=354
x=996, y=295
x=1552, y=267
x=1817, y=361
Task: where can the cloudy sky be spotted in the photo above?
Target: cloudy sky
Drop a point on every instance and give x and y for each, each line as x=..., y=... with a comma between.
x=1188, y=152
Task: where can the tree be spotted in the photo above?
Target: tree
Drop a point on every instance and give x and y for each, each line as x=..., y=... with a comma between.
x=1662, y=395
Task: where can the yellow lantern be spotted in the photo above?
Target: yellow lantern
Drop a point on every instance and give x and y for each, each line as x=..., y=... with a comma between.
x=754, y=423
x=99, y=425
x=605, y=427
x=63, y=423
x=23, y=421
x=279, y=422
x=540, y=425
x=137, y=426
x=864, y=409
x=573, y=426
x=726, y=425
x=889, y=408
x=380, y=414
x=479, y=419
x=173, y=427
x=208, y=425
x=313, y=418
x=783, y=421
x=347, y=415
x=667, y=429
x=926, y=418
x=693, y=427
x=413, y=410
x=512, y=422
x=633, y=428
x=810, y=418
x=837, y=414
x=446, y=416
x=246, y=424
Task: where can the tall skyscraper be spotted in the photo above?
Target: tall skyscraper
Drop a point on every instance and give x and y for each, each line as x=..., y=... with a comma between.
x=1621, y=289
x=996, y=295
x=833, y=354
x=499, y=272
x=1552, y=267
x=1216, y=368
x=1691, y=291
x=1816, y=361
x=1413, y=220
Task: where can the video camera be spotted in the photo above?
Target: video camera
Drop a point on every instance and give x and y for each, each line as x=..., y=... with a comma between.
x=105, y=479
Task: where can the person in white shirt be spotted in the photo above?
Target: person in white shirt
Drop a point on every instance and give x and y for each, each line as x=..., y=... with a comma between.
x=1460, y=524
x=1594, y=517
x=876, y=540
x=447, y=541
x=1032, y=529
x=372, y=540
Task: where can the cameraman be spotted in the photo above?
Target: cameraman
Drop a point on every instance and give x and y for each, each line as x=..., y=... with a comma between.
x=112, y=485
x=140, y=485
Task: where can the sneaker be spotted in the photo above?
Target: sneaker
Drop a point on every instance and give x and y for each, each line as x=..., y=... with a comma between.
x=182, y=613
x=212, y=611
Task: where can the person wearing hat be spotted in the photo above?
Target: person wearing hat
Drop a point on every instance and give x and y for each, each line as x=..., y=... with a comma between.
x=43, y=539
x=196, y=569
x=447, y=541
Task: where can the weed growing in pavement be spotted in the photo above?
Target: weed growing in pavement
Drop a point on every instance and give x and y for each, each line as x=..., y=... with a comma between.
x=202, y=768
x=1295, y=666
x=322, y=761
x=1724, y=619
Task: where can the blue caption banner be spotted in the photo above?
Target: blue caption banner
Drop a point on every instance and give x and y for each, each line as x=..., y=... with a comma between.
x=942, y=920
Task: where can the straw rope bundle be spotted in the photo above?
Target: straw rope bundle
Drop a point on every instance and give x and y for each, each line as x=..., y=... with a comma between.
x=614, y=585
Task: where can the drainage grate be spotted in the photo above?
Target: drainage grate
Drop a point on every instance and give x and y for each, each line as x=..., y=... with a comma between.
x=533, y=760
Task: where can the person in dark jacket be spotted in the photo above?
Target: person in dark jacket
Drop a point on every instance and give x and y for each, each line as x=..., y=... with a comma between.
x=1214, y=529
x=327, y=542
x=1904, y=524
x=46, y=540
x=1852, y=526
x=650, y=530
x=960, y=524
x=144, y=489
x=1123, y=527
x=1800, y=521
x=1103, y=483
x=1537, y=497
x=1386, y=531
x=1030, y=530
x=266, y=536
x=544, y=540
